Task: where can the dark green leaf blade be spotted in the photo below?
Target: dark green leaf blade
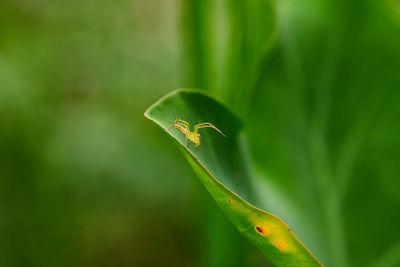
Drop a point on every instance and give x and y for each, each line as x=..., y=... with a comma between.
x=221, y=168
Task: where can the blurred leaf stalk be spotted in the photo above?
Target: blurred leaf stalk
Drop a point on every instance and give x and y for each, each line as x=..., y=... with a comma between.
x=225, y=44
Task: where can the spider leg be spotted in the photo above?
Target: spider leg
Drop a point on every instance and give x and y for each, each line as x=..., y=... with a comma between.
x=182, y=122
x=205, y=125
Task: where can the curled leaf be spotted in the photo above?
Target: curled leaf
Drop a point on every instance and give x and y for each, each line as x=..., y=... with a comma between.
x=221, y=168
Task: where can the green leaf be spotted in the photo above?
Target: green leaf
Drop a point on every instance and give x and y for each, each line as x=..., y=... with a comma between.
x=221, y=168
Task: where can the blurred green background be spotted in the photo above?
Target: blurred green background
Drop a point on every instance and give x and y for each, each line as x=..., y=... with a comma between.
x=85, y=180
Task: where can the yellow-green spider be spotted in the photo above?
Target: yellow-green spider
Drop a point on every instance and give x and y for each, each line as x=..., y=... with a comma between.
x=183, y=127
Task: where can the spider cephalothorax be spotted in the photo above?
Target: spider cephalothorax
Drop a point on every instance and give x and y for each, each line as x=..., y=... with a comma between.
x=194, y=137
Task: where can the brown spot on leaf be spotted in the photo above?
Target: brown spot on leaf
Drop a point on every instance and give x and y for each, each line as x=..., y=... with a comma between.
x=260, y=229
x=279, y=245
x=229, y=200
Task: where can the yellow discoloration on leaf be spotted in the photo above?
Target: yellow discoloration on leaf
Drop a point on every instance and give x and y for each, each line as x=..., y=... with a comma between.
x=264, y=225
x=276, y=234
x=279, y=245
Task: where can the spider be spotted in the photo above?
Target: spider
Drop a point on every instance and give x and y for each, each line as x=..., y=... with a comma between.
x=183, y=127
